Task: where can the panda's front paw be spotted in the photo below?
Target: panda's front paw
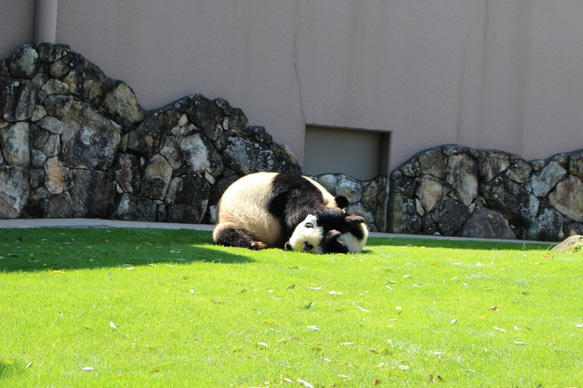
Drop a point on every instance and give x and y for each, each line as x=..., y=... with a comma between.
x=257, y=245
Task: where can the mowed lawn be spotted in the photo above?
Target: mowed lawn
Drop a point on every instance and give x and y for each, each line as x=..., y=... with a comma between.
x=100, y=307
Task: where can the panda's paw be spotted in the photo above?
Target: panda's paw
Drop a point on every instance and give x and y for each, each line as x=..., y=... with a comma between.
x=257, y=245
x=354, y=219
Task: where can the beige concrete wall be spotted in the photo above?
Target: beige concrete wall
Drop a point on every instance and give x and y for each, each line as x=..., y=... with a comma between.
x=503, y=74
x=16, y=24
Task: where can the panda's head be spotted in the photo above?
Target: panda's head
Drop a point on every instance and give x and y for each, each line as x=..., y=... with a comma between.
x=307, y=236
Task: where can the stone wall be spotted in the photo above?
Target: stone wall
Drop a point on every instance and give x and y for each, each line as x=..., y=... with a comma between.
x=76, y=143
x=454, y=190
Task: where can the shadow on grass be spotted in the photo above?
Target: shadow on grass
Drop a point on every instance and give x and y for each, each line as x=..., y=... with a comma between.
x=457, y=243
x=86, y=248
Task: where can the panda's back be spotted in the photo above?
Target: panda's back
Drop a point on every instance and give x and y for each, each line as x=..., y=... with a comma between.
x=245, y=203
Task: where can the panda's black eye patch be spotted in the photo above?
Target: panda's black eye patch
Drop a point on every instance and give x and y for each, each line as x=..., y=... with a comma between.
x=307, y=246
x=309, y=225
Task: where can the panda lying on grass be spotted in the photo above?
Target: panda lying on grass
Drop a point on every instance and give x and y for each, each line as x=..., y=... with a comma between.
x=312, y=236
x=264, y=209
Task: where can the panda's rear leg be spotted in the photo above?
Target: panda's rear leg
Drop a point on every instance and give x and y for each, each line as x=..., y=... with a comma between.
x=229, y=235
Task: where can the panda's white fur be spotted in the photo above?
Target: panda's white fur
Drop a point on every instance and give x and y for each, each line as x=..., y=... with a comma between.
x=250, y=212
x=355, y=244
x=243, y=208
x=310, y=236
x=307, y=237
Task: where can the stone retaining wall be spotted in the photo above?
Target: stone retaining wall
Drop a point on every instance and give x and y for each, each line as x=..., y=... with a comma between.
x=76, y=143
x=454, y=190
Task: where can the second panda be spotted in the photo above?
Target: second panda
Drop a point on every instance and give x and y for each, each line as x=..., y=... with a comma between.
x=261, y=210
x=314, y=236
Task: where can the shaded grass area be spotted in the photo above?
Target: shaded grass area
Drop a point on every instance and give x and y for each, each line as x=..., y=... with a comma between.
x=129, y=307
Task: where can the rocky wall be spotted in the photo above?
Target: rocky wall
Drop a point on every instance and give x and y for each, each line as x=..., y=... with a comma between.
x=76, y=143
x=453, y=190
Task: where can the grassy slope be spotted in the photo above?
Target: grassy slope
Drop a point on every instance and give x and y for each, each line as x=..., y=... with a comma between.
x=104, y=307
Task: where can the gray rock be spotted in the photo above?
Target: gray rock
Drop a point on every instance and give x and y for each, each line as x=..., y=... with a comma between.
x=131, y=207
x=449, y=216
x=38, y=113
x=245, y=156
x=156, y=178
x=60, y=206
x=431, y=191
x=205, y=115
x=567, y=198
x=37, y=179
x=14, y=191
x=128, y=173
x=493, y=163
x=573, y=244
x=150, y=135
x=52, y=146
x=89, y=139
x=14, y=144
x=56, y=176
x=51, y=124
x=411, y=169
x=237, y=121
x=543, y=181
x=349, y=188
x=58, y=105
x=486, y=223
x=519, y=171
x=572, y=228
x=122, y=106
x=432, y=162
x=576, y=165
x=200, y=155
x=461, y=172
x=329, y=181
x=86, y=81
x=37, y=159
x=403, y=217
x=188, y=199
x=548, y=226
x=24, y=62
x=55, y=86
x=17, y=99
x=92, y=193
x=511, y=199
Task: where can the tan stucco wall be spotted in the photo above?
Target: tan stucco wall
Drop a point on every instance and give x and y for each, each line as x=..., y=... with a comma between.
x=16, y=24
x=503, y=74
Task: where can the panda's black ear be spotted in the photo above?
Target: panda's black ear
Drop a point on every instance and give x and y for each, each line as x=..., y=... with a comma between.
x=341, y=201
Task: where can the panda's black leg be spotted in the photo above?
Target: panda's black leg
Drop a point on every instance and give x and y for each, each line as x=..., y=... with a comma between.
x=234, y=237
x=332, y=244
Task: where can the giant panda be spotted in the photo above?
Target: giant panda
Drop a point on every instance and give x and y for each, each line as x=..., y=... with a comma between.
x=261, y=210
x=315, y=236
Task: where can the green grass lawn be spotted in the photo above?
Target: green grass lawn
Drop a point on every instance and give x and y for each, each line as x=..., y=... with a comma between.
x=158, y=308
